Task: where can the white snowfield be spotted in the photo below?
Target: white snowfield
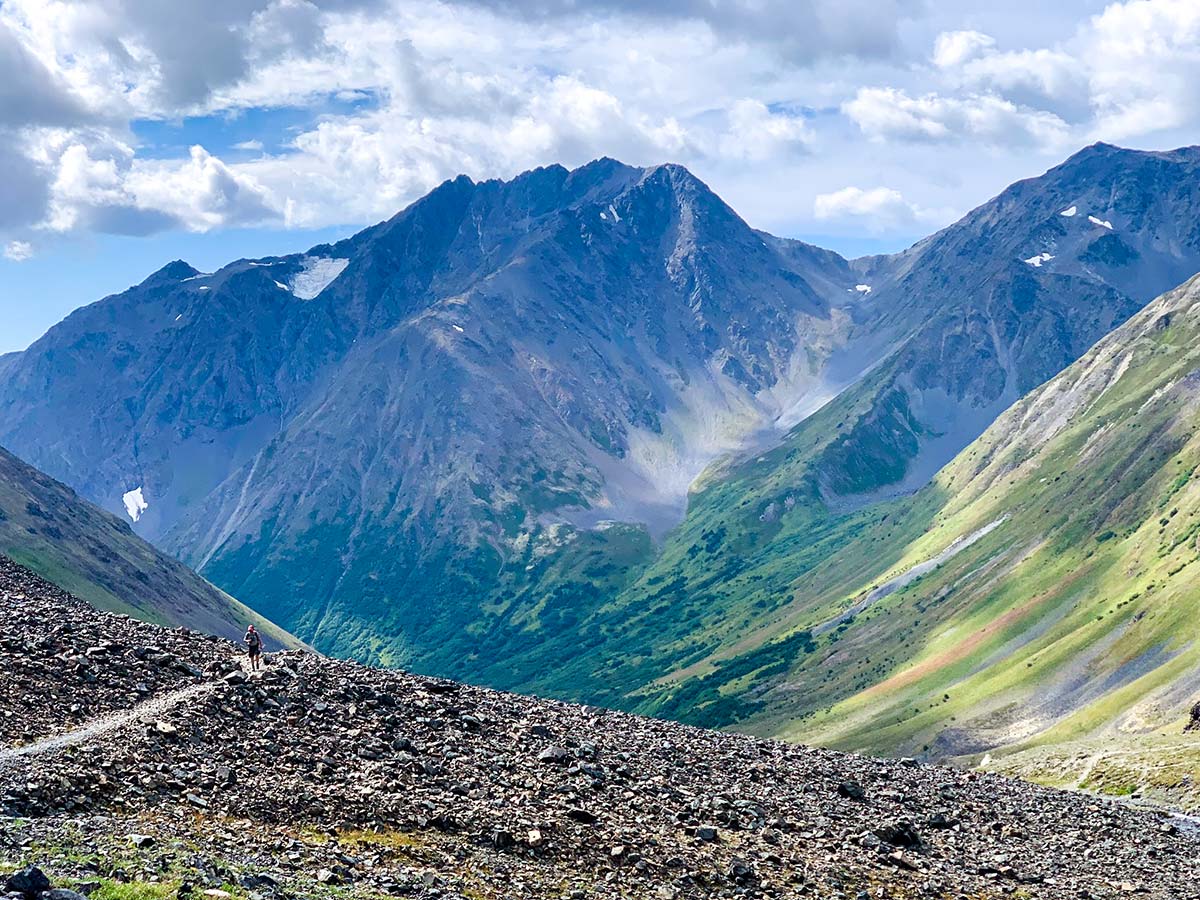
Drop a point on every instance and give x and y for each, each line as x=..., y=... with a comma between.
x=135, y=503
x=1069, y=211
x=1036, y=261
x=863, y=288
x=316, y=274
x=1103, y=223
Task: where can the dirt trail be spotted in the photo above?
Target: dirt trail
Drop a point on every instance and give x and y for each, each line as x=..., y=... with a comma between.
x=103, y=725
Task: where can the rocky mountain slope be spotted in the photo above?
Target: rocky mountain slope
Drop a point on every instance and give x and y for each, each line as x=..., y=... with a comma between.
x=44, y=525
x=324, y=778
x=411, y=446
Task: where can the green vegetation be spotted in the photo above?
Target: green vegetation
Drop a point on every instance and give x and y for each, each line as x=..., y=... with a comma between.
x=136, y=890
x=1071, y=613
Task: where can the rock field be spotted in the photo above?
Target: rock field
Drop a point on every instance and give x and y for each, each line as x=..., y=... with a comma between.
x=318, y=777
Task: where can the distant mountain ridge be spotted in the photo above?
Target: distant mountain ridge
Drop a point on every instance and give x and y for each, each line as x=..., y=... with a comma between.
x=465, y=438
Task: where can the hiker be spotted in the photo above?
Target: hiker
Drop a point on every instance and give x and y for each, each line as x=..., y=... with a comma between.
x=253, y=647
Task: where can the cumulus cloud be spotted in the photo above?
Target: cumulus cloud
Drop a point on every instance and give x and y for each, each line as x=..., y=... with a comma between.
x=30, y=93
x=385, y=98
x=889, y=113
x=18, y=251
x=119, y=194
x=953, y=48
x=1048, y=79
x=756, y=134
x=202, y=192
x=1144, y=65
x=878, y=208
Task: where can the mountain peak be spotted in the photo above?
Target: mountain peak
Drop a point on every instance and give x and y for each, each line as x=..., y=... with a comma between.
x=176, y=270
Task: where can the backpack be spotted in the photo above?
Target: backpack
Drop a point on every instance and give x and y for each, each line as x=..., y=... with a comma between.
x=253, y=640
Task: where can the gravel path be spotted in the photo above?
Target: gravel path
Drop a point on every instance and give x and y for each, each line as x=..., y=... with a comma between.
x=104, y=724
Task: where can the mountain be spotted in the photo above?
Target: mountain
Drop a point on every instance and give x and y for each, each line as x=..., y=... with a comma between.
x=468, y=439
x=1005, y=299
x=321, y=778
x=986, y=326
x=44, y=525
x=378, y=426
x=1029, y=610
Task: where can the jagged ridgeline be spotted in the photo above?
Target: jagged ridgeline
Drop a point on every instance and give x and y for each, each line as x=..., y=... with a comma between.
x=589, y=433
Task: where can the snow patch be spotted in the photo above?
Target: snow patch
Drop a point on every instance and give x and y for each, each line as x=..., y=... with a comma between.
x=178, y=317
x=863, y=288
x=282, y=286
x=1103, y=223
x=200, y=275
x=612, y=209
x=1036, y=261
x=316, y=274
x=458, y=328
x=203, y=287
x=135, y=503
x=1069, y=211
x=604, y=216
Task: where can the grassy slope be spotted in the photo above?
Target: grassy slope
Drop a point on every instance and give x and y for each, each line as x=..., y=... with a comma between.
x=1074, y=616
x=1068, y=626
x=46, y=527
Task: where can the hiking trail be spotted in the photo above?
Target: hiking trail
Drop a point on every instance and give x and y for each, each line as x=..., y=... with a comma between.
x=104, y=724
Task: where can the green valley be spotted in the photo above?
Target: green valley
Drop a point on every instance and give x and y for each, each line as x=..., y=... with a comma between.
x=1062, y=606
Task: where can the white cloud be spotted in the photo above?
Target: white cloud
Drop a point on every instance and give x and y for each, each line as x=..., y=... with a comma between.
x=889, y=113
x=802, y=30
x=1048, y=79
x=18, y=251
x=756, y=134
x=1143, y=59
x=389, y=97
x=118, y=194
x=953, y=48
x=879, y=208
x=202, y=192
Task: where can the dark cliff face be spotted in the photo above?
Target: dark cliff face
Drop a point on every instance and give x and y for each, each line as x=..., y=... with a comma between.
x=388, y=440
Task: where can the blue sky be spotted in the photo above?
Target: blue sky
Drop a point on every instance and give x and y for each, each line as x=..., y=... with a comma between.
x=134, y=132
